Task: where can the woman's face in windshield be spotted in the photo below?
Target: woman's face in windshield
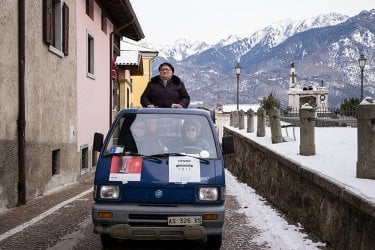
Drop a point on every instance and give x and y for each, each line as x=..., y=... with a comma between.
x=138, y=129
x=191, y=133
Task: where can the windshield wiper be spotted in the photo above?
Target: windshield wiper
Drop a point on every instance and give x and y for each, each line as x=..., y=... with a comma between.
x=205, y=161
x=148, y=157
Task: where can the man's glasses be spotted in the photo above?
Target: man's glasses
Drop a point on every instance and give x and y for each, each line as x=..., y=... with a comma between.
x=165, y=69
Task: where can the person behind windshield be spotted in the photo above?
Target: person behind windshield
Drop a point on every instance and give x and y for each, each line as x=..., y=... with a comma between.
x=147, y=143
x=165, y=90
x=191, y=136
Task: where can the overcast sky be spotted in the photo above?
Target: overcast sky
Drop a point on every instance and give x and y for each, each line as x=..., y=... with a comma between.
x=165, y=21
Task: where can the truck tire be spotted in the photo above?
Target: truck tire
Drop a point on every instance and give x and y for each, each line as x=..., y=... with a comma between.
x=107, y=240
x=214, y=242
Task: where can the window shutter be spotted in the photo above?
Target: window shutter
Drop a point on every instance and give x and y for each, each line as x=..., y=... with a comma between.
x=47, y=21
x=65, y=39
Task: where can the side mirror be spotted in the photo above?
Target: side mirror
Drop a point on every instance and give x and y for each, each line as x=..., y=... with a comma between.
x=98, y=142
x=228, y=145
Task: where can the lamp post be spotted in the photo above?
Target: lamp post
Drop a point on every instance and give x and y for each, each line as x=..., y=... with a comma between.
x=362, y=62
x=238, y=72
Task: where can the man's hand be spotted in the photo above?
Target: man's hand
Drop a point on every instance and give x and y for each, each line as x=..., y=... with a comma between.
x=177, y=105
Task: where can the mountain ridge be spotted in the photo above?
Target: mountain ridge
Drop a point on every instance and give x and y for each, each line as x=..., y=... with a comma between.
x=324, y=48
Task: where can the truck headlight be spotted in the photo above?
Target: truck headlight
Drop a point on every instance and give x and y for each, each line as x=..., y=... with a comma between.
x=111, y=192
x=208, y=193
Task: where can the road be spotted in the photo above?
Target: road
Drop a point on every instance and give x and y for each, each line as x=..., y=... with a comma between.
x=62, y=220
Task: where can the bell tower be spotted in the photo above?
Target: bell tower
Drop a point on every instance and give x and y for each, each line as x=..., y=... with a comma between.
x=292, y=77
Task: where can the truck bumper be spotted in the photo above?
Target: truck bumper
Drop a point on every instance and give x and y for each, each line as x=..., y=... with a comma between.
x=137, y=222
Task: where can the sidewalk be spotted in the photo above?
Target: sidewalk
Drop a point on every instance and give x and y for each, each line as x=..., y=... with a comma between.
x=17, y=216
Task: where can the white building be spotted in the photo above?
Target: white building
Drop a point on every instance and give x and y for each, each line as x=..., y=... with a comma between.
x=316, y=96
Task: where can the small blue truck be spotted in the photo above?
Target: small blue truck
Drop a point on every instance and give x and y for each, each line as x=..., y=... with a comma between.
x=154, y=182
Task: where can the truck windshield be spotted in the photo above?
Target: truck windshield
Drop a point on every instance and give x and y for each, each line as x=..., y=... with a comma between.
x=162, y=134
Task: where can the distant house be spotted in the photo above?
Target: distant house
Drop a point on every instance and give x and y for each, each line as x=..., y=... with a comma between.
x=134, y=67
x=56, y=89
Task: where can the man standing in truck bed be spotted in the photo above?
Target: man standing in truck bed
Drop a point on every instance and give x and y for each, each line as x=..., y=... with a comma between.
x=165, y=90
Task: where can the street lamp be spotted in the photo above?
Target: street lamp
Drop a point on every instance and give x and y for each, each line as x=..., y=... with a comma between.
x=362, y=62
x=238, y=72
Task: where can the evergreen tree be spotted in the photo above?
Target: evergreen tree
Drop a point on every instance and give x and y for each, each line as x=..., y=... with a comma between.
x=269, y=102
x=349, y=105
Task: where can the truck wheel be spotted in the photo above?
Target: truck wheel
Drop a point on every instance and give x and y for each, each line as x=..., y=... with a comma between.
x=214, y=242
x=107, y=240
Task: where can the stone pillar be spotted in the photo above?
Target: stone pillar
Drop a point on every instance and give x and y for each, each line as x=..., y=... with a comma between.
x=261, y=122
x=235, y=119
x=274, y=117
x=307, y=132
x=231, y=118
x=250, y=121
x=366, y=139
x=241, y=119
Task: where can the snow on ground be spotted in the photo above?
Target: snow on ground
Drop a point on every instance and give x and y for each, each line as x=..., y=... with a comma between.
x=276, y=232
x=335, y=158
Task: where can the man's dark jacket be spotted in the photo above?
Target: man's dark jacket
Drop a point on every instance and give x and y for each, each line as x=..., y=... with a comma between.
x=163, y=96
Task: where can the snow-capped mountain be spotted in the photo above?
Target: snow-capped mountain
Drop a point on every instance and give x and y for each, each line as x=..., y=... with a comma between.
x=227, y=41
x=274, y=34
x=180, y=50
x=324, y=48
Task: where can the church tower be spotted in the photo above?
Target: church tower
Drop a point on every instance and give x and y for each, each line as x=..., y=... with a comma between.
x=293, y=96
x=292, y=77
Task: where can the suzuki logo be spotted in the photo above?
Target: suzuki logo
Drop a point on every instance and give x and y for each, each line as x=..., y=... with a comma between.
x=158, y=193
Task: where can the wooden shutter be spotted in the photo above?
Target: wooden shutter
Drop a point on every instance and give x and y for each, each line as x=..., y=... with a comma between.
x=65, y=21
x=47, y=21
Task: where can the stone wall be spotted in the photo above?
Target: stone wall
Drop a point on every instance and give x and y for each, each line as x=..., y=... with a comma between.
x=336, y=216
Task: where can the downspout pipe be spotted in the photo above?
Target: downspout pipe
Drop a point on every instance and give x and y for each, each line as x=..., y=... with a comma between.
x=21, y=122
x=110, y=63
x=150, y=66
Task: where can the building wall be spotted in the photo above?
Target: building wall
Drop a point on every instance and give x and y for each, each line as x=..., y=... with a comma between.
x=140, y=81
x=8, y=104
x=125, y=88
x=50, y=105
x=93, y=93
x=8, y=70
x=93, y=101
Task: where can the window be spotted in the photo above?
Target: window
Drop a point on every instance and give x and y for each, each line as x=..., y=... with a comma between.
x=56, y=162
x=56, y=26
x=84, y=157
x=90, y=8
x=90, y=55
x=104, y=24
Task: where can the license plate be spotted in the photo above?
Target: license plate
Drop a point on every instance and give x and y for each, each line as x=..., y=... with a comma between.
x=184, y=220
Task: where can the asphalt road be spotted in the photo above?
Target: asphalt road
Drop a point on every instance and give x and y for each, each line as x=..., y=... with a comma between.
x=62, y=220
